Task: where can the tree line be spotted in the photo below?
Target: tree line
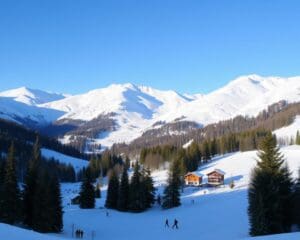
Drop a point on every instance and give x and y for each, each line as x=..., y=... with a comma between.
x=196, y=154
x=135, y=194
x=37, y=205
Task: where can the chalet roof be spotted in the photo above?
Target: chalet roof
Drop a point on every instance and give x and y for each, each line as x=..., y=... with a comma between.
x=194, y=173
x=218, y=171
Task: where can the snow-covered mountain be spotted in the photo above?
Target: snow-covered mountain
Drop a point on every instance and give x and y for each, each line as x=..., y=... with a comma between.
x=21, y=105
x=31, y=96
x=135, y=109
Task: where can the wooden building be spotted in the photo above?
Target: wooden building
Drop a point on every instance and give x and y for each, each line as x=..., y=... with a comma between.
x=216, y=177
x=193, y=179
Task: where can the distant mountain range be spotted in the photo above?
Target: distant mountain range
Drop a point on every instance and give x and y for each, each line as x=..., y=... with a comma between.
x=122, y=112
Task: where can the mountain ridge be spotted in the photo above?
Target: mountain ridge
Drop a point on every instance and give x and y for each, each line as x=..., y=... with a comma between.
x=133, y=109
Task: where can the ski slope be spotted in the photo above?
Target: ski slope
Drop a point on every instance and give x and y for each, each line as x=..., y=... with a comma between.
x=217, y=213
x=77, y=163
x=288, y=132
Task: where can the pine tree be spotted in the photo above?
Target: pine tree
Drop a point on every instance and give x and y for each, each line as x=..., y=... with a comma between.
x=149, y=190
x=11, y=198
x=87, y=192
x=193, y=157
x=269, y=193
x=47, y=212
x=136, y=196
x=98, y=191
x=55, y=205
x=123, y=200
x=40, y=217
x=2, y=194
x=296, y=202
x=298, y=138
x=127, y=163
x=30, y=186
x=171, y=196
x=112, y=191
x=213, y=147
x=206, y=152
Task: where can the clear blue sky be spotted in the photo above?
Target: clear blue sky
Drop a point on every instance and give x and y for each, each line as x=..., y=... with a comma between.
x=189, y=45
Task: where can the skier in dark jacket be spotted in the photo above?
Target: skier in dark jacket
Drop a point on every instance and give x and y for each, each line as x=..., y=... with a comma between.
x=175, y=225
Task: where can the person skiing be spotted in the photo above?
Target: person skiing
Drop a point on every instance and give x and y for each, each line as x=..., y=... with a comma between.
x=175, y=225
x=167, y=223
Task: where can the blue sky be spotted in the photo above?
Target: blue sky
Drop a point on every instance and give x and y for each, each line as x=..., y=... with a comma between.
x=190, y=45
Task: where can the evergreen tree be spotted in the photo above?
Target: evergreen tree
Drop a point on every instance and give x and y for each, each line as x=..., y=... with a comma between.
x=55, y=205
x=31, y=183
x=206, y=151
x=87, y=192
x=149, y=189
x=123, y=200
x=296, y=202
x=47, y=212
x=171, y=196
x=112, y=191
x=40, y=218
x=213, y=147
x=193, y=157
x=127, y=163
x=269, y=193
x=11, y=198
x=2, y=176
x=136, y=196
x=98, y=191
x=298, y=138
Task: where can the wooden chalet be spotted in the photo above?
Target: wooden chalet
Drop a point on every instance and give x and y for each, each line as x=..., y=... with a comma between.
x=216, y=177
x=193, y=179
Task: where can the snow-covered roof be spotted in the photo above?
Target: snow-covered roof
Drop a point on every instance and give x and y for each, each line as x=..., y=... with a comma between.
x=216, y=170
x=194, y=173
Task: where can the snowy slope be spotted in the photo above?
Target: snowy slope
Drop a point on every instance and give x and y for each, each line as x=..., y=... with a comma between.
x=217, y=213
x=8, y=232
x=77, y=163
x=137, y=108
x=288, y=132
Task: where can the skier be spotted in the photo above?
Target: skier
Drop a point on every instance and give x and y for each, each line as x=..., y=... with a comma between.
x=81, y=235
x=175, y=225
x=167, y=223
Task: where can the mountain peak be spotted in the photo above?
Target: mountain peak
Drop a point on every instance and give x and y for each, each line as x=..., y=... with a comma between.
x=31, y=96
